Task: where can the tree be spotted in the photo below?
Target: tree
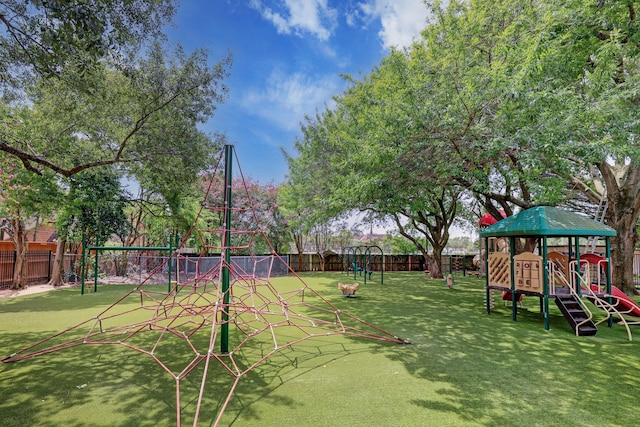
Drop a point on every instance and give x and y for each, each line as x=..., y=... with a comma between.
x=93, y=207
x=23, y=195
x=589, y=57
x=363, y=155
x=95, y=107
x=465, y=71
x=42, y=39
x=395, y=244
x=144, y=121
x=296, y=216
x=256, y=211
x=551, y=91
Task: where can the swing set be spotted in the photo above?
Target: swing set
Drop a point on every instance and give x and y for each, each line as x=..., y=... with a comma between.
x=359, y=260
x=173, y=244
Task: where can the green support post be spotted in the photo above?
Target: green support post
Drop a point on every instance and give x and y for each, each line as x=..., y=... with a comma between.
x=486, y=275
x=97, y=249
x=608, y=276
x=224, y=330
x=514, y=304
x=365, y=262
x=545, y=283
x=95, y=273
x=576, y=279
x=169, y=265
x=355, y=263
x=83, y=261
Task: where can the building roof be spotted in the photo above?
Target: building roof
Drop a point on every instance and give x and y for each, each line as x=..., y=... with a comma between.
x=44, y=233
x=547, y=221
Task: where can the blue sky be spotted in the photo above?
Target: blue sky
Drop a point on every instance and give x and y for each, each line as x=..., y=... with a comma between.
x=288, y=56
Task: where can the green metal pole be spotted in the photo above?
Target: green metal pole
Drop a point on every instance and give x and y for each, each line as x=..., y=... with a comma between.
x=169, y=266
x=355, y=262
x=83, y=261
x=514, y=304
x=381, y=266
x=486, y=274
x=367, y=257
x=347, y=264
x=608, y=276
x=464, y=265
x=176, y=245
x=576, y=278
x=95, y=273
x=545, y=283
x=224, y=330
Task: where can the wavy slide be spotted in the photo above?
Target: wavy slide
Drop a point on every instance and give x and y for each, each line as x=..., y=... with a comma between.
x=627, y=305
x=626, y=302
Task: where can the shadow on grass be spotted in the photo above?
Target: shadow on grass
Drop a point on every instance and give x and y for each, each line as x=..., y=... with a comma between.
x=125, y=388
x=108, y=384
x=466, y=367
x=68, y=299
x=498, y=371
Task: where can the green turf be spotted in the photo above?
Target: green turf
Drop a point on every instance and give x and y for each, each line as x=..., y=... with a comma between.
x=463, y=368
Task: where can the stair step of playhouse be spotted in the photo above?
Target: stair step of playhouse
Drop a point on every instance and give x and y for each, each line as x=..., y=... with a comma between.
x=587, y=330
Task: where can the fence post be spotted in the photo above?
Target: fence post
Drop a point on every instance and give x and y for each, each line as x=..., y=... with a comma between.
x=49, y=268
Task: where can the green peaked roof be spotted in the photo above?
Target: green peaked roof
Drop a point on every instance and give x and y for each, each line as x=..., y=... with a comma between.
x=547, y=221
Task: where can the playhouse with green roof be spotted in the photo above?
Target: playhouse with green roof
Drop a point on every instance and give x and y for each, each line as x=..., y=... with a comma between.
x=527, y=267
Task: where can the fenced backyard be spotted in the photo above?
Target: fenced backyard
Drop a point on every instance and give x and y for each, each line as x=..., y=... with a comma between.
x=462, y=368
x=38, y=267
x=133, y=268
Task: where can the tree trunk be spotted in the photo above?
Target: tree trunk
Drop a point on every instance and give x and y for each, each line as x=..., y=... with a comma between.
x=435, y=263
x=435, y=267
x=58, y=264
x=622, y=248
x=623, y=195
x=620, y=182
x=297, y=238
x=19, y=237
x=322, y=261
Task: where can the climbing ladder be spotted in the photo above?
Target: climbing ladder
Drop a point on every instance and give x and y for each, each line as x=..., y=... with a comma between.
x=599, y=216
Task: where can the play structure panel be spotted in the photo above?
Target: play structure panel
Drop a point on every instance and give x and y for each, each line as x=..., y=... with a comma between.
x=499, y=273
x=528, y=272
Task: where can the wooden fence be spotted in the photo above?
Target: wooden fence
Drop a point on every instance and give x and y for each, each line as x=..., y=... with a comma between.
x=40, y=263
x=335, y=262
x=39, y=266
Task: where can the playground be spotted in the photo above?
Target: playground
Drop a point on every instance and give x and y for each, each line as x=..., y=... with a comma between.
x=462, y=368
x=578, y=283
x=237, y=340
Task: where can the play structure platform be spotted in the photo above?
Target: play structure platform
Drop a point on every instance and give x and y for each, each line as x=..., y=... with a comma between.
x=570, y=279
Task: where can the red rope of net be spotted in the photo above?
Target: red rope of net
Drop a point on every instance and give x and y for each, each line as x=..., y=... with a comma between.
x=190, y=317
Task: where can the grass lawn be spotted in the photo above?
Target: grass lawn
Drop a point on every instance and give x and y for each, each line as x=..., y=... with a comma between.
x=463, y=368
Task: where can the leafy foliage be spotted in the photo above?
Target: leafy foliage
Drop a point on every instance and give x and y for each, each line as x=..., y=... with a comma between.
x=45, y=38
x=95, y=206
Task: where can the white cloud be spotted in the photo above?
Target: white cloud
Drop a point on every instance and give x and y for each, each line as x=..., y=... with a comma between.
x=300, y=17
x=401, y=20
x=286, y=98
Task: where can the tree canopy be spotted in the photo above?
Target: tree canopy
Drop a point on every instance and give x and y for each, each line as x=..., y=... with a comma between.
x=45, y=38
x=516, y=104
x=89, y=89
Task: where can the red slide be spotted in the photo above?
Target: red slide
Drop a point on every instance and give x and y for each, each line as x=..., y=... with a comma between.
x=626, y=303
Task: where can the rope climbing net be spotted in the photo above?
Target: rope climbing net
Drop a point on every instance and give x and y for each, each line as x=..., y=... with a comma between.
x=185, y=331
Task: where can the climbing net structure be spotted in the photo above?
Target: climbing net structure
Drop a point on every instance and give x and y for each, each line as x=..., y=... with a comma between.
x=217, y=317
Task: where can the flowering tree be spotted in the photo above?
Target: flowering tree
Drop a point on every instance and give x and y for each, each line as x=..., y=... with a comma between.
x=255, y=206
x=22, y=195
